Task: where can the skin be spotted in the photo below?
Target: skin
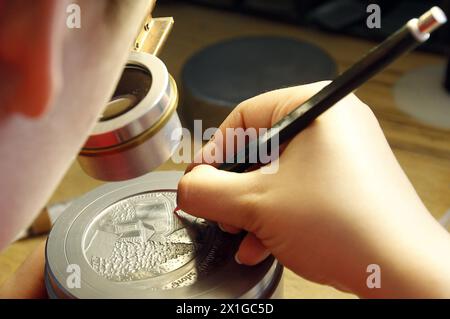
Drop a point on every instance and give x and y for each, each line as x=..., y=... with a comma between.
x=338, y=203
x=54, y=83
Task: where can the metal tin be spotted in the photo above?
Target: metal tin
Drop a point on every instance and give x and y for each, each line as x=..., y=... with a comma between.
x=126, y=242
x=220, y=76
x=140, y=128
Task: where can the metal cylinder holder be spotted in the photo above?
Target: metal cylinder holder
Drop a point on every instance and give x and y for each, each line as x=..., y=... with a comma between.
x=139, y=129
x=125, y=241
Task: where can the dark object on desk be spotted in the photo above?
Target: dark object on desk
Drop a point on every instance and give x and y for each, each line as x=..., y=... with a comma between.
x=127, y=243
x=447, y=77
x=411, y=35
x=393, y=16
x=342, y=16
x=221, y=76
x=287, y=9
x=337, y=15
x=219, y=3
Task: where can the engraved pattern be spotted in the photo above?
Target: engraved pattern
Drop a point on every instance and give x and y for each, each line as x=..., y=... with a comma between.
x=140, y=237
x=124, y=213
x=135, y=260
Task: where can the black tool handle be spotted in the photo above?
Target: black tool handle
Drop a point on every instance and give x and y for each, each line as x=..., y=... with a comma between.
x=378, y=58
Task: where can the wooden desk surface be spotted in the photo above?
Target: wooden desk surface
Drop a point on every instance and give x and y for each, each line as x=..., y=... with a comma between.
x=423, y=151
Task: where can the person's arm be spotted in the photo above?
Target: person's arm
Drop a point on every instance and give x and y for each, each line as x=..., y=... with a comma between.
x=338, y=203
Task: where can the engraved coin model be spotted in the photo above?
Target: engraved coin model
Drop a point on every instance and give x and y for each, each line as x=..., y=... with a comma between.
x=127, y=242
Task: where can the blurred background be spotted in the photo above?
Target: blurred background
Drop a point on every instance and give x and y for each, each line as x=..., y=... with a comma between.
x=340, y=16
x=221, y=52
x=224, y=51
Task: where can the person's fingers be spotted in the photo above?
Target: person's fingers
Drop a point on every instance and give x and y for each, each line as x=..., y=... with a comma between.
x=224, y=197
x=251, y=251
x=261, y=111
x=28, y=281
x=229, y=229
x=266, y=109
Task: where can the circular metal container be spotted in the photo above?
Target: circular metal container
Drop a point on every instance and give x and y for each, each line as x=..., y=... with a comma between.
x=123, y=240
x=139, y=129
x=220, y=76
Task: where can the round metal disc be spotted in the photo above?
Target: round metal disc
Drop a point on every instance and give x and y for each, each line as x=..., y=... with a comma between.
x=220, y=76
x=128, y=243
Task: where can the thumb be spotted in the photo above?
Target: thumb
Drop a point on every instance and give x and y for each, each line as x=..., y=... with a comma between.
x=224, y=197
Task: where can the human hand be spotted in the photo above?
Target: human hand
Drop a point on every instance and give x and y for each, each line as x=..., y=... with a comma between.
x=28, y=281
x=338, y=203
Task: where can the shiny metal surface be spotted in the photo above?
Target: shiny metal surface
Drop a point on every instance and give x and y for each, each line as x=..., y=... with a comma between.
x=141, y=117
x=128, y=162
x=140, y=237
x=140, y=128
x=128, y=243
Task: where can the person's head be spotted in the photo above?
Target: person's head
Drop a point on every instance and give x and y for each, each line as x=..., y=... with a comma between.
x=59, y=63
x=37, y=36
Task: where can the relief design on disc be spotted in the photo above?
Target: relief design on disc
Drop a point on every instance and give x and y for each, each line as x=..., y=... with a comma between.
x=140, y=238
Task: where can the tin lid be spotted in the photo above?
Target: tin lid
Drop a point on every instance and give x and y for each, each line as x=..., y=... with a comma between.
x=127, y=243
x=222, y=75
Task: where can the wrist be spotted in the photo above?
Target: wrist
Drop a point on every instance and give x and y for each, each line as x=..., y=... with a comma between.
x=414, y=261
